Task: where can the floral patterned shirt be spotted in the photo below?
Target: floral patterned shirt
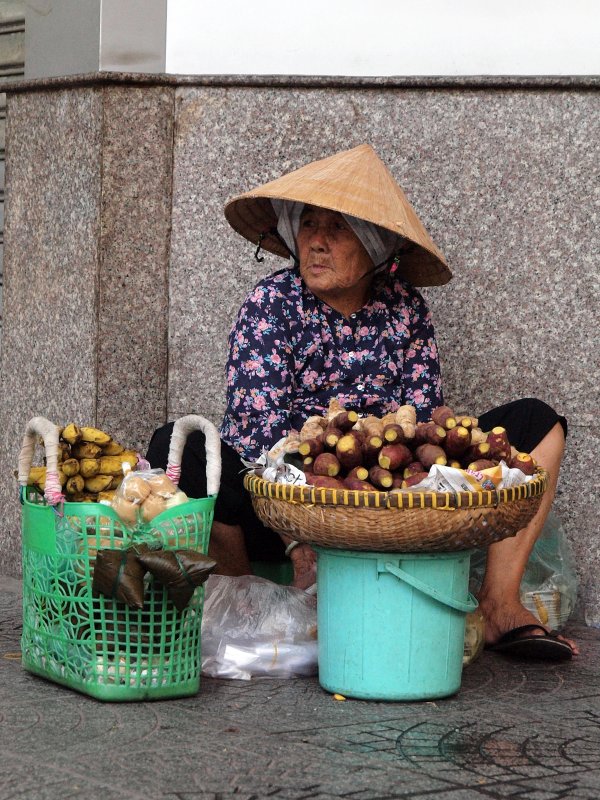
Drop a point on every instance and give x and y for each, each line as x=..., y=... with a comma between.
x=290, y=354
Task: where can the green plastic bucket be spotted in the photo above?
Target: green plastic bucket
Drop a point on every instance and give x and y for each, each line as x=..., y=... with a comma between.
x=280, y=572
x=392, y=625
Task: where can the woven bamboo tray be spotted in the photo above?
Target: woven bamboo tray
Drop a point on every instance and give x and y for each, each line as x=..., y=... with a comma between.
x=395, y=521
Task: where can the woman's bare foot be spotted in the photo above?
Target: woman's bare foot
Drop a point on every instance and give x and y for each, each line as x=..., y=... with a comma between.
x=504, y=616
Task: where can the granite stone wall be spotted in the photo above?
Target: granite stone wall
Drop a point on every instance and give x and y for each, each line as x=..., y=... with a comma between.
x=504, y=177
x=86, y=263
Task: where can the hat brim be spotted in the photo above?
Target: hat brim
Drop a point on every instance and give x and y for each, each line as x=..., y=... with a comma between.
x=254, y=217
x=354, y=182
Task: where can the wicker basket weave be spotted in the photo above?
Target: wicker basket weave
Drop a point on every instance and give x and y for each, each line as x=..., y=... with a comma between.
x=395, y=521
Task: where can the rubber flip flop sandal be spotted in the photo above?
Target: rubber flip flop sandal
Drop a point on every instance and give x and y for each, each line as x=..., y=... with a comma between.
x=520, y=642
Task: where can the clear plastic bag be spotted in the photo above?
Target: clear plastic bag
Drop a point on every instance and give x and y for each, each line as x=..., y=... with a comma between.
x=549, y=585
x=254, y=627
x=144, y=495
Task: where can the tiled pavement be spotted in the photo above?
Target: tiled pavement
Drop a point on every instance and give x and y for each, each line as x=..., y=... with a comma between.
x=515, y=730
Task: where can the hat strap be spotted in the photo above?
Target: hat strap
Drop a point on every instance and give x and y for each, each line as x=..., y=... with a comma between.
x=259, y=258
x=276, y=235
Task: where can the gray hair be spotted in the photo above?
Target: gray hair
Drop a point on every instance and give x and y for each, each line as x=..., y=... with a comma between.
x=379, y=243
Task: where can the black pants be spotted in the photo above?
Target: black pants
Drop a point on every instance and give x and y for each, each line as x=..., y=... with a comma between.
x=526, y=421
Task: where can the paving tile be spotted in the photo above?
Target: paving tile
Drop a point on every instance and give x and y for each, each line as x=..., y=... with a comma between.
x=514, y=730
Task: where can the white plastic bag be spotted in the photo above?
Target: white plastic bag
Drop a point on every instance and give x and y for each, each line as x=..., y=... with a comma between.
x=252, y=626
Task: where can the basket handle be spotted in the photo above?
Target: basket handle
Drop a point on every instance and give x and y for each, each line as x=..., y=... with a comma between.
x=40, y=426
x=181, y=430
x=468, y=606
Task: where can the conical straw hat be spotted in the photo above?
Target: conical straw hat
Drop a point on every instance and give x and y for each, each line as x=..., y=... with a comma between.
x=353, y=182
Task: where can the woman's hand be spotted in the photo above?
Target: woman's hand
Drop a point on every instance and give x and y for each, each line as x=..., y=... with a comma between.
x=304, y=562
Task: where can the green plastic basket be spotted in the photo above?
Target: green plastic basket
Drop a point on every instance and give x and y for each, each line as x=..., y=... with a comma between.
x=94, y=644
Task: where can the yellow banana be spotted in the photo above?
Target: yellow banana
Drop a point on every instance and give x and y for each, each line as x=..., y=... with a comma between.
x=37, y=477
x=71, y=433
x=112, y=448
x=88, y=467
x=94, y=435
x=107, y=495
x=86, y=450
x=89, y=498
x=64, y=451
x=99, y=483
x=70, y=467
x=116, y=482
x=111, y=465
x=129, y=456
x=75, y=485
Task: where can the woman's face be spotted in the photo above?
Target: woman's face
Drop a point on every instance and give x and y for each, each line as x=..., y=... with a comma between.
x=333, y=262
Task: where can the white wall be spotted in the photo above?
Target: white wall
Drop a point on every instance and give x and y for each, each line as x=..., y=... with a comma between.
x=70, y=37
x=384, y=37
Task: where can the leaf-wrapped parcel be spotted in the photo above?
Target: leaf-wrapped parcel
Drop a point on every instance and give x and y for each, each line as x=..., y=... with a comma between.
x=180, y=572
x=120, y=575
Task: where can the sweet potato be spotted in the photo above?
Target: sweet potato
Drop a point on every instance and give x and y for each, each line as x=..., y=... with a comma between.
x=358, y=435
x=331, y=437
x=349, y=451
x=467, y=421
x=371, y=447
x=409, y=429
x=476, y=451
x=497, y=439
x=524, y=462
x=345, y=420
x=430, y=454
x=381, y=478
x=457, y=441
x=474, y=420
x=444, y=416
x=325, y=482
x=356, y=485
x=312, y=428
x=412, y=469
x=397, y=480
x=406, y=413
x=333, y=408
x=477, y=435
x=312, y=447
x=412, y=480
x=372, y=426
x=393, y=434
x=394, y=456
x=481, y=464
x=420, y=432
x=430, y=433
x=361, y=473
x=326, y=464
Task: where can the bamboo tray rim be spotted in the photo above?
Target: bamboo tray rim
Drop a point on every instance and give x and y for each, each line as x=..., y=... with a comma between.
x=441, y=501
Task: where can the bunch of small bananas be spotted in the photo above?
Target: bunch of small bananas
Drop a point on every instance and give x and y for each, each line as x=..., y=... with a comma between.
x=91, y=465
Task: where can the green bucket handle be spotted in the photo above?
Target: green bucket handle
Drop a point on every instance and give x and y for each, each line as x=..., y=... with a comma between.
x=468, y=606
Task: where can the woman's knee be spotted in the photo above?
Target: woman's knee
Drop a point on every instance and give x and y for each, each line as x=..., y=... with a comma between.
x=158, y=449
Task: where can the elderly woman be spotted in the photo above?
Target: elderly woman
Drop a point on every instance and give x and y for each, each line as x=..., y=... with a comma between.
x=345, y=321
